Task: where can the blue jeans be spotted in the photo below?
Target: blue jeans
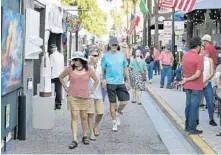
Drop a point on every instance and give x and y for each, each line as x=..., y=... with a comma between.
x=167, y=71
x=150, y=70
x=208, y=93
x=193, y=98
x=157, y=66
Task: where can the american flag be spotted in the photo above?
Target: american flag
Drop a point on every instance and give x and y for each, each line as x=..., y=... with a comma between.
x=134, y=22
x=183, y=5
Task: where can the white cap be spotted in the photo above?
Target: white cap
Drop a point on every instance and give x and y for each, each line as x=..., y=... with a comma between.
x=206, y=37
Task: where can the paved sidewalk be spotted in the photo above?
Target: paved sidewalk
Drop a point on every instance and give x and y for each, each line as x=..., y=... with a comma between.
x=175, y=99
x=136, y=135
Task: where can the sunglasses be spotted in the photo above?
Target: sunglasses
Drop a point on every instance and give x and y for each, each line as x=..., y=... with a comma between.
x=114, y=45
x=95, y=55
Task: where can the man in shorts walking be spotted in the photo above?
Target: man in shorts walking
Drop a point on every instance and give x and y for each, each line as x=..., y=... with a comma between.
x=114, y=65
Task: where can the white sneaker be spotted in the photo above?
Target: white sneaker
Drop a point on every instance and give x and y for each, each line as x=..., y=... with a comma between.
x=118, y=120
x=114, y=128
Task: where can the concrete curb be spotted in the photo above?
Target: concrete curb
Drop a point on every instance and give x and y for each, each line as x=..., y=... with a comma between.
x=200, y=145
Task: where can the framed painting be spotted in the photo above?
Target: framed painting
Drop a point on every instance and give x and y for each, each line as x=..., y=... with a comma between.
x=12, y=50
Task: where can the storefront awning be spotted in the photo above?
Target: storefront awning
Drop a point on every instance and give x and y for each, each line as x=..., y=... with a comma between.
x=207, y=4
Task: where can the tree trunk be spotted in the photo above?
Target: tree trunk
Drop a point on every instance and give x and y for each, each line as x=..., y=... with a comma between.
x=134, y=2
x=156, y=36
x=149, y=4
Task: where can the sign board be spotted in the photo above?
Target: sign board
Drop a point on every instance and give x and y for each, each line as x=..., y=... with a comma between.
x=167, y=31
x=179, y=27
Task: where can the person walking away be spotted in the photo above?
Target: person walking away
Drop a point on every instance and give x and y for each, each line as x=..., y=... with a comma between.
x=57, y=67
x=114, y=64
x=210, y=49
x=193, y=84
x=125, y=50
x=96, y=103
x=166, y=62
x=138, y=67
x=78, y=93
x=149, y=61
x=218, y=85
x=156, y=54
x=208, y=90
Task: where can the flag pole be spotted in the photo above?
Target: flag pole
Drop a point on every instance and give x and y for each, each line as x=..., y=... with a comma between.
x=173, y=36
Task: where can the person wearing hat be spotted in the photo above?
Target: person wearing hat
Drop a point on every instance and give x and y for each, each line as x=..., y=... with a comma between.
x=114, y=65
x=166, y=62
x=57, y=66
x=78, y=93
x=210, y=49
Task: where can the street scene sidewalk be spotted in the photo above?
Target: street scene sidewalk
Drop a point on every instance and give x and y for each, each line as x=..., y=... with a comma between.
x=136, y=135
x=175, y=100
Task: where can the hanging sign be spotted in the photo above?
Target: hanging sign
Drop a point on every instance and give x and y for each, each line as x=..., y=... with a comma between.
x=73, y=23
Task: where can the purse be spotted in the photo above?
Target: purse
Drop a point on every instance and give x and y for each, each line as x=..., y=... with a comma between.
x=143, y=74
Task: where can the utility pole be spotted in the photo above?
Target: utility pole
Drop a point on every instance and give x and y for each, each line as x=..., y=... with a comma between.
x=144, y=26
x=156, y=36
x=127, y=24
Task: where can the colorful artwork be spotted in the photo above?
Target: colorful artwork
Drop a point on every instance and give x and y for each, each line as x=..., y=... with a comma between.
x=73, y=23
x=11, y=51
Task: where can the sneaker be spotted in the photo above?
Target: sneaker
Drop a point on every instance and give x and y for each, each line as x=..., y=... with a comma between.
x=195, y=132
x=118, y=119
x=150, y=81
x=161, y=86
x=114, y=128
x=212, y=122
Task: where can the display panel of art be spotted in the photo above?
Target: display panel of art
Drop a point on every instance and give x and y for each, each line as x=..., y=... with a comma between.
x=12, y=47
x=73, y=24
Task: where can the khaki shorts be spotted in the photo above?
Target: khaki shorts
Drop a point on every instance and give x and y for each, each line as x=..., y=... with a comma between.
x=77, y=103
x=96, y=105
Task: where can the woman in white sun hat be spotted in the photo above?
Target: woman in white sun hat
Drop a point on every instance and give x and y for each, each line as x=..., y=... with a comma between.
x=78, y=93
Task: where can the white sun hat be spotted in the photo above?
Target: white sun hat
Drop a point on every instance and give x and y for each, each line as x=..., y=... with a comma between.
x=78, y=55
x=206, y=37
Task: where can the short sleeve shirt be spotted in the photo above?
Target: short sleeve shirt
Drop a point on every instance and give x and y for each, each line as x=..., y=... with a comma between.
x=211, y=50
x=114, y=65
x=191, y=63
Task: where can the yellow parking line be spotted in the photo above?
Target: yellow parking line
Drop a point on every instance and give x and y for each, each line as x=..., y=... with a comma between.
x=197, y=140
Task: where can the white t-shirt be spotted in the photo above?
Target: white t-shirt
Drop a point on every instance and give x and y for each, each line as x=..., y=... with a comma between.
x=57, y=64
x=98, y=91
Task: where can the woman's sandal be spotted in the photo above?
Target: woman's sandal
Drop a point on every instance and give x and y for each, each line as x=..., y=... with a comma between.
x=85, y=140
x=96, y=132
x=73, y=145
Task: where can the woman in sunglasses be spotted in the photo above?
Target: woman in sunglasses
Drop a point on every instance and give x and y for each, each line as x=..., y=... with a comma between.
x=96, y=103
x=78, y=93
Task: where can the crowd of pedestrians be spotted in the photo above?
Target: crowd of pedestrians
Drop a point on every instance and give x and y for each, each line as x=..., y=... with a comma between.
x=95, y=74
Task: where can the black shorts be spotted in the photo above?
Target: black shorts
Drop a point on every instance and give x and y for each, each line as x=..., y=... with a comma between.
x=117, y=91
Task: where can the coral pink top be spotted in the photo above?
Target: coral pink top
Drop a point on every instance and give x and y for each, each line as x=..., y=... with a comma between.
x=156, y=54
x=166, y=58
x=78, y=83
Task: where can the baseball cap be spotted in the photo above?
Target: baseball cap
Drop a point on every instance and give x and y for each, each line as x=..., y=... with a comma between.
x=113, y=41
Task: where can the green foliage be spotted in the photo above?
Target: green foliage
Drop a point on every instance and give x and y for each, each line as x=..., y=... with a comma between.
x=208, y=25
x=117, y=18
x=93, y=21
